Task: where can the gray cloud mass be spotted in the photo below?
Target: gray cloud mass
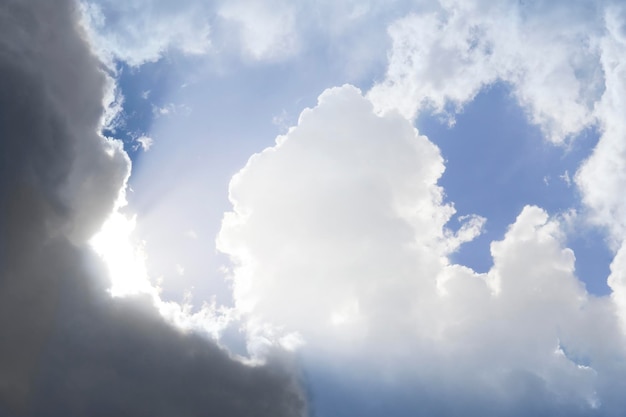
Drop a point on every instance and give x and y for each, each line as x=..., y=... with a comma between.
x=66, y=347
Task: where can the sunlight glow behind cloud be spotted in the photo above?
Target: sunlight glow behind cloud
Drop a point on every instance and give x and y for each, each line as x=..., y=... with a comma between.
x=125, y=261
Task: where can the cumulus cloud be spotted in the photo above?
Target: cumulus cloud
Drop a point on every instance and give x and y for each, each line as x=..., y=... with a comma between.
x=321, y=183
x=562, y=61
x=338, y=238
x=603, y=175
x=548, y=53
x=67, y=347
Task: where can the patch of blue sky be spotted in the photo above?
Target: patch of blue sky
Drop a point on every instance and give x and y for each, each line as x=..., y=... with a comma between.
x=143, y=88
x=496, y=163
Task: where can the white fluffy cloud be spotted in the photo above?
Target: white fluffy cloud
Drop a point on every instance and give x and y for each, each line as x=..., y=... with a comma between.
x=602, y=178
x=338, y=236
x=344, y=185
x=548, y=53
x=563, y=62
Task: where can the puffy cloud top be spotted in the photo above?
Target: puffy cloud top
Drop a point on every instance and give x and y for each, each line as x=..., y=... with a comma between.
x=338, y=238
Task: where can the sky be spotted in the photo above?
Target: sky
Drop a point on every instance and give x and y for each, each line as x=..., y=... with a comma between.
x=312, y=208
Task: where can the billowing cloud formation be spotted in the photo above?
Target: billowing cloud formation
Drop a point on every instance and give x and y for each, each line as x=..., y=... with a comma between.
x=338, y=238
x=602, y=177
x=67, y=347
x=332, y=192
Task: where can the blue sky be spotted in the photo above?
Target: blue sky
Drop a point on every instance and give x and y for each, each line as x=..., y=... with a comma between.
x=493, y=151
x=417, y=203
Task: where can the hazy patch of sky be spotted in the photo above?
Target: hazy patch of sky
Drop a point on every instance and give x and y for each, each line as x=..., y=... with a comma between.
x=338, y=395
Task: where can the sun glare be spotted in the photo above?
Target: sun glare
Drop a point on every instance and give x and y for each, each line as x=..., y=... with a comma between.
x=125, y=260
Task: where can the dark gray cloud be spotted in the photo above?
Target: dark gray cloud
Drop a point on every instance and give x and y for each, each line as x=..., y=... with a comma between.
x=66, y=348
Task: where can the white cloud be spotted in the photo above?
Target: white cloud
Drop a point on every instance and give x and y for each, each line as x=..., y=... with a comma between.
x=602, y=178
x=342, y=186
x=563, y=62
x=338, y=236
x=145, y=142
x=140, y=31
x=269, y=31
x=548, y=56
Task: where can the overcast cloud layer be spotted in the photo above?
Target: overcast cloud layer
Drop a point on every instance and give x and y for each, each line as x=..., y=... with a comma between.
x=67, y=347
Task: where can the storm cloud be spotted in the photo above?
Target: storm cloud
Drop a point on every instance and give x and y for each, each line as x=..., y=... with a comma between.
x=67, y=347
